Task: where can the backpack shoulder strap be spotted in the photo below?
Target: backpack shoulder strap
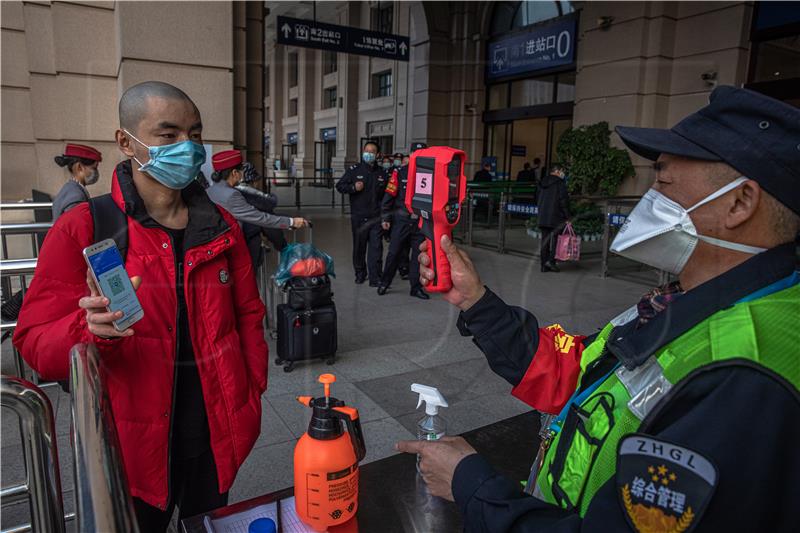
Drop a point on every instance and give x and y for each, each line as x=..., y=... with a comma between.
x=110, y=222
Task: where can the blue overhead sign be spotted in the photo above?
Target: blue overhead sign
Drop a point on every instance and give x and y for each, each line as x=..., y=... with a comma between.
x=542, y=47
x=328, y=134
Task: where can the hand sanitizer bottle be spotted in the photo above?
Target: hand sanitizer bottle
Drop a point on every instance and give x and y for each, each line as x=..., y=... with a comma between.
x=431, y=426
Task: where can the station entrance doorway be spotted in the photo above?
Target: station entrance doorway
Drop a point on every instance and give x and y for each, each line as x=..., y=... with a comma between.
x=516, y=142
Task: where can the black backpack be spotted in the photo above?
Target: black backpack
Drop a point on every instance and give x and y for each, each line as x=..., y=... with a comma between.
x=110, y=222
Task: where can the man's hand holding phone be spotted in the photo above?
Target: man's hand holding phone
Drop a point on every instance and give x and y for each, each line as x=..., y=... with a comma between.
x=98, y=319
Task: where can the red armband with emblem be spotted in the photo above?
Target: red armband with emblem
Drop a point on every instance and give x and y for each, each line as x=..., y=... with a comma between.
x=553, y=374
x=391, y=187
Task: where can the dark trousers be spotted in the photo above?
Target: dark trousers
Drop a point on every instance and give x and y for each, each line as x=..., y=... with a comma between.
x=252, y=235
x=367, y=241
x=404, y=236
x=403, y=265
x=195, y=490
x=547, y=248
x=276, y=237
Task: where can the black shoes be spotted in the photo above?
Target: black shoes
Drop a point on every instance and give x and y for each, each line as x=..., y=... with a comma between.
x=550, y=267
x=404, y=276
x=374, y=283
x=419, y=293
x=360, y=279
x=382, y=290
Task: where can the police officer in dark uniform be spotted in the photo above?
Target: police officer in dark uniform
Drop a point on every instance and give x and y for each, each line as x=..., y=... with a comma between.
x=404, y=228
x=365, y=183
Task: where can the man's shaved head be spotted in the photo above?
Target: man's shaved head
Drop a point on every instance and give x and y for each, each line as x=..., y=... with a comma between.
x=133, y=104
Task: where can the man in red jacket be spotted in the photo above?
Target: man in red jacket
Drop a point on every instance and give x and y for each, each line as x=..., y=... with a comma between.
x=185, y=381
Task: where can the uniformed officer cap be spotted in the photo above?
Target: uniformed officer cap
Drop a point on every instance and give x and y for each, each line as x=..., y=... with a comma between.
x=753, y=133
x=417, y=146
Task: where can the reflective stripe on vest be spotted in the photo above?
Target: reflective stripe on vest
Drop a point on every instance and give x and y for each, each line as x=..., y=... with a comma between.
x=582, y=457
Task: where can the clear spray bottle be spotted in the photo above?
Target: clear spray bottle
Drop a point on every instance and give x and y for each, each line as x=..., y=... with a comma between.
x=431, y=426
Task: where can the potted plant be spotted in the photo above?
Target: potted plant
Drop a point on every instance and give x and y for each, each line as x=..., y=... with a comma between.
x=594, y=166
x=532, y=227
x=587, y=220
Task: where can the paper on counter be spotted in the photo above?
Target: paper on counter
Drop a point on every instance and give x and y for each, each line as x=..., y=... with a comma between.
x=239, y=522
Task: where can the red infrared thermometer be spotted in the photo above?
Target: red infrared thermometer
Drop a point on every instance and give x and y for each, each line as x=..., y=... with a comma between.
x=435, y=189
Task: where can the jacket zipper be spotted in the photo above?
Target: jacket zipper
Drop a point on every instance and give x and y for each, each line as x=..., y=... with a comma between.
x=174, y=373
x=178, y=272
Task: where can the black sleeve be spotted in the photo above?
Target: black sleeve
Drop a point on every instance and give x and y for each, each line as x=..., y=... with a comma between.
x=345, y=185
x=257, y=199
x=387, y=205
x=563, y=199
x=508, y=336
x=741, y=417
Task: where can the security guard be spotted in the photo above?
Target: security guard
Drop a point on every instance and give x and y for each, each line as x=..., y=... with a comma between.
x=82, y=163
x=404, y=229
x=365, y=183
x=683, y=412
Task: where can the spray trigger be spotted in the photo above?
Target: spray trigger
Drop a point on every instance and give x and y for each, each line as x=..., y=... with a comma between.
x=431, y=396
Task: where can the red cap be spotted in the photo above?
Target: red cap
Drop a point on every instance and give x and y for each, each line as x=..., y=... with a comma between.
x=84, y=152
x=226, y=159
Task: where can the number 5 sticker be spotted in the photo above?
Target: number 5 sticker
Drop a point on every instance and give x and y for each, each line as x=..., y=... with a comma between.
x=424, y=184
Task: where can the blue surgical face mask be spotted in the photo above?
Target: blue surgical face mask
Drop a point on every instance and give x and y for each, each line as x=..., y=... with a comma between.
x=173, y=165
x=368, y=157
x=386, y=164
x=396, y=162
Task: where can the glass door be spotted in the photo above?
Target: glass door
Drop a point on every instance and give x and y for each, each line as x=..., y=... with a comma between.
x=319, y=163
x=498, y=147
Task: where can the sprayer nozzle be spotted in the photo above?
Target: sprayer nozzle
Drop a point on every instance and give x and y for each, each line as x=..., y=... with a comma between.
x=305, y=400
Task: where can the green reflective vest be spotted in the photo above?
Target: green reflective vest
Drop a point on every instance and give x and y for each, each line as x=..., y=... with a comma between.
x=582, y=457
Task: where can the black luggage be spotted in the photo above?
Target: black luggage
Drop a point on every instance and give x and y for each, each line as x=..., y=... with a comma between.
x=309, y=292
x=306, y=334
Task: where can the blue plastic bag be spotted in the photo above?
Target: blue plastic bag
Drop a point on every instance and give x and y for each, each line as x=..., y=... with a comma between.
x=303, y=259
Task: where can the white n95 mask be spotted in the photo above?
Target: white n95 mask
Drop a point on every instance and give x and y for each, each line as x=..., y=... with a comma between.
x=659, y=232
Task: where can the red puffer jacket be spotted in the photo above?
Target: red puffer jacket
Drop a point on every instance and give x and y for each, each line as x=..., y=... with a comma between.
x=225, y=323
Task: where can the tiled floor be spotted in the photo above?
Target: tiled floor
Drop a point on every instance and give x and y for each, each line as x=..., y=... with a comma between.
x=386, y=343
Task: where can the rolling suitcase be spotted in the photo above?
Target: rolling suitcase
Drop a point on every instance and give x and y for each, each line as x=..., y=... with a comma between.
x=306, y=334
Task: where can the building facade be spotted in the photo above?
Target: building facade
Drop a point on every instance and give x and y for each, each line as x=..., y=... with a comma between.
x=501, y=80
x=65, y=65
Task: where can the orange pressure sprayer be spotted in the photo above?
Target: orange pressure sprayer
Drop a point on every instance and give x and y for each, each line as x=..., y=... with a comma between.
x=326, y=461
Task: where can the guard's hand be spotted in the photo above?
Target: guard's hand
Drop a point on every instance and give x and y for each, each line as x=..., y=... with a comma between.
x=299, y=222
x=99, y=320
x=467, y=287
x=359, y=186
x=386, y=226
x=438, y=461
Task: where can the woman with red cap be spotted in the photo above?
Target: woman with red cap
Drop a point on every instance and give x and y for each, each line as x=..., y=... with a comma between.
x=229, y=172
x=82, y=162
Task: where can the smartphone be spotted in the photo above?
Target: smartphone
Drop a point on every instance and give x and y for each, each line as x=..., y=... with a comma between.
x=108, y=271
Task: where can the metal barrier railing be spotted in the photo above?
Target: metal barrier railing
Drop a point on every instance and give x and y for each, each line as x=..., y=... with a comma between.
x=503, y=229
x=102, y=500
x=25, y=206
x=8, y=269
x=303, y=192
x=42, y=478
